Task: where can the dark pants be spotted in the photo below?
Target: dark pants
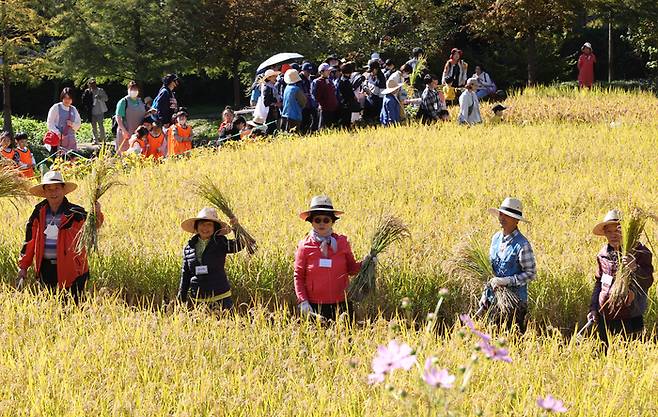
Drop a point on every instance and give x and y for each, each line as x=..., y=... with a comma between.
x=331, y=311
x=630, y=328
x=345, y=118
x=309, y=120
x=220, y=305
x=48, y=277
x=289, y=125
x=272, y=116
x=328, y=119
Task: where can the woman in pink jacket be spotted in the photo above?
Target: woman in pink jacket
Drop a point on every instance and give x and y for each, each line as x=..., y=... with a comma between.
x=323, y=262
x=586, y=63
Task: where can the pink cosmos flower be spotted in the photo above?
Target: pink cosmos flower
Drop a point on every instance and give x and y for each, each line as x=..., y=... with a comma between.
x=437, y=377
x=551, y=404
x=389, y=358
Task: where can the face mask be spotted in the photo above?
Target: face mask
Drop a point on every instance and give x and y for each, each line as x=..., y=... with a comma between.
x=133, y=94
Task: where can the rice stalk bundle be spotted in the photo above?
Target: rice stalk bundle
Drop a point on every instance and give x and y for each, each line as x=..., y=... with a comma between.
x=100, y=180
x=389, y=230
x=470, y=264
x=13, y=185
x=632, y=228
x=211, y=193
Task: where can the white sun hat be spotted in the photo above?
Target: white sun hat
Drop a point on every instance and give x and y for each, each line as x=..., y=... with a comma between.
x=206, y=214
x=511, y=207
x=391, y=86
x=320, y=203
x=613, y=217
x=52, y=177
x=292, y=76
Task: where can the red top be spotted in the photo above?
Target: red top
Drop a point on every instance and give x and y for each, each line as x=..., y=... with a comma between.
x=586, y=69
x=323, y=282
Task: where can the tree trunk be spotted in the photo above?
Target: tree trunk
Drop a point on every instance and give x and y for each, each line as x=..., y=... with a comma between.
x=6, y=99
x=236, y=83
x=610, y=61
x=532, y=59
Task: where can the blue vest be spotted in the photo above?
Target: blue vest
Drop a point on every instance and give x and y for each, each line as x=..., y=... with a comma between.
x=507, y=263
x=291, y=108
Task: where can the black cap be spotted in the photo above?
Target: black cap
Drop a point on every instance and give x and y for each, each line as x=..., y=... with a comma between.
x=169, y=78
x=498, y=107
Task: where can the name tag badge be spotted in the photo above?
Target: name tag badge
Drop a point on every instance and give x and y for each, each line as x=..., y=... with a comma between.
x=51, y=232
x=606, y=279
x=201, y=270
x=325, y=263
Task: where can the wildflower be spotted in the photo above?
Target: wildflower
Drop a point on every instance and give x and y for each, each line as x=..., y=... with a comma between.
x=389, y=358
x=437, y=377
x=494, y=353
x=551, y=404
x=443, y=292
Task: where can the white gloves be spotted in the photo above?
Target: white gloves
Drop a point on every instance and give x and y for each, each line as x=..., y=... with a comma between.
x=500, y=282
x=373, y=258
x=305, y=307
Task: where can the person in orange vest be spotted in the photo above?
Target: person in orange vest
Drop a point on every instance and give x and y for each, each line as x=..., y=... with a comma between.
x=26, y=162
x=137, y=142
x=6, y=147
x=157, y=146
x=180, y=135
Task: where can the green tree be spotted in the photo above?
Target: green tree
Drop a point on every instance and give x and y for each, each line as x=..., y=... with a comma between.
x=527, y=21
x=22, y=55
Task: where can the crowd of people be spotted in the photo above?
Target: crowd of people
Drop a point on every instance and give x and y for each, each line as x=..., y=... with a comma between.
x=324, y=261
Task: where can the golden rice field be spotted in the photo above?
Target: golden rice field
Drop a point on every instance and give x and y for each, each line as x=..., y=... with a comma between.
x=108, y=358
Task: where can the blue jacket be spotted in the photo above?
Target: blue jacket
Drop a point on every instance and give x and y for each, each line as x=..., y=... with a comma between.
x=390, y=113
x=292, y=109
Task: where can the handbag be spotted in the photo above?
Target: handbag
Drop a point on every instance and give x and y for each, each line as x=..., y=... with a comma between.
x=261, y=111
x=51, y=138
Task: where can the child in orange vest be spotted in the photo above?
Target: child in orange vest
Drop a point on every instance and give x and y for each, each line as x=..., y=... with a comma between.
x=157, y=146
x=26, y=160
x=6, y=148
x=137, y=141
x=180, y=135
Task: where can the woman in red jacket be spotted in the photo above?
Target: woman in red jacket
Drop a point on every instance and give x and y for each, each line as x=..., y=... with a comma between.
x=586, y=63
x=323, y=262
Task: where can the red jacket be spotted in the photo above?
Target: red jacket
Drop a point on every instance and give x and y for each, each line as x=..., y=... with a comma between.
x=586, y=69
x=325, y=94
x=70, y=265
x=323, y=285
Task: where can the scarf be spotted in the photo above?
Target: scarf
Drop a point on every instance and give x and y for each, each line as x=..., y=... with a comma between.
x=325, y=242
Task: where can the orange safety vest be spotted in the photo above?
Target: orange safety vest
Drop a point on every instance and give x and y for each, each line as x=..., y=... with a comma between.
x=155, y=143
x=25, y=156
x=175, y=147
x=8, y=154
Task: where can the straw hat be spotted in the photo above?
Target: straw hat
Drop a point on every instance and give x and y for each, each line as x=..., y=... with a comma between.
x=292, y=76
x=52, y=177
x=320, y=203
x=511, y=207
x=206, y=214
x=269, y=74
x=391, y=86
x=613, y=217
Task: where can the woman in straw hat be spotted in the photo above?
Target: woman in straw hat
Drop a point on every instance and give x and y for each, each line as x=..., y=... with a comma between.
x=271, y=99
x=294, y=101
x=203, y=277
x=323, y=262
x=513, y=261
x=629, y=318
x=50, y=237
x=391, y=112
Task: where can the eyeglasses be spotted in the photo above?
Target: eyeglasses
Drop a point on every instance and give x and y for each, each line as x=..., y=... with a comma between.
x=325, y=220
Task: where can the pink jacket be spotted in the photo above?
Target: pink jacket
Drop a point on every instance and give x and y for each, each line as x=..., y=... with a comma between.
x=323, y=284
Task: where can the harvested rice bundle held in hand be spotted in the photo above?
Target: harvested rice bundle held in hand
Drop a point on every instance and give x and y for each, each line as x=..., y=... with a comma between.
x=389, y=230
x=13, y=185
x=625, y=270
x=98, y=183
x=211, y=193
x=513, y=264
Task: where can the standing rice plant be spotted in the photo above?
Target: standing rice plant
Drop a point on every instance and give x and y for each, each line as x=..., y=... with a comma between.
x=632, y=228
x=98, y=183
x=13, y=185
x=207, y=189
x=471, y=266
x=389, y=230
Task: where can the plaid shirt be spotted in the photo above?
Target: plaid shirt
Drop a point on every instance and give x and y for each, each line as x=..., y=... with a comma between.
x=430, y=103
x=526, y=260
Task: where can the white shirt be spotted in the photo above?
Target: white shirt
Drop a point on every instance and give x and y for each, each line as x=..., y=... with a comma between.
x=468, y=100
x=53, y=118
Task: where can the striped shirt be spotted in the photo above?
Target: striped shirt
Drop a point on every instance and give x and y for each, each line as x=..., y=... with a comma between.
x=50, y=245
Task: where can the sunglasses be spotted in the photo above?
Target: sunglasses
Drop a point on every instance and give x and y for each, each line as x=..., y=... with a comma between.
x=325, y=220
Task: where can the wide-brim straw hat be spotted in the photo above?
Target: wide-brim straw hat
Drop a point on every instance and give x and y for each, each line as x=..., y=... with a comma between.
x=206, y=214
x=391, y=87
x=613, y=217
x=292, y=76
x=269, y=74
x=52, y=177
x=511, y=207
x=320, y=203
